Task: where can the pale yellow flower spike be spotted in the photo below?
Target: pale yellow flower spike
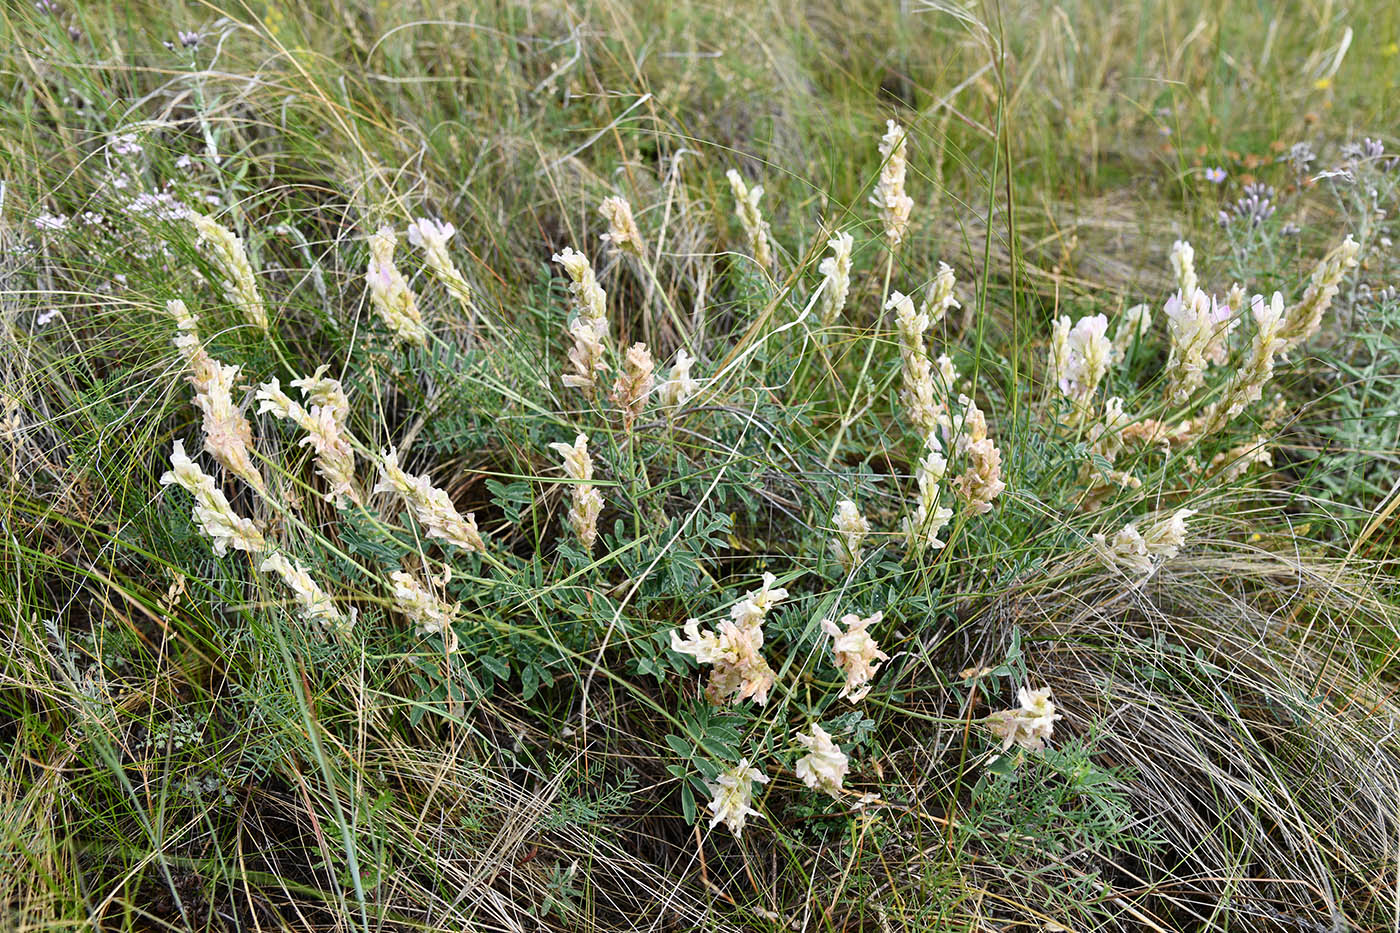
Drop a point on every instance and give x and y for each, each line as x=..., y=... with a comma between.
x=431, y=506
x=836, y=278
x=324, y=425
x=1030, y=726
x=316, y=605
x=240, y=283
x=893, y=204
x=751, y=218
x=856, y=653
x=431, y=237
x=389, y=293
x=824, y=767
x=622, y=234
x=1304, y=318
x=587, y=501
x=212, y=512
x=431, y=615
x=733, y=796
x=634, y=384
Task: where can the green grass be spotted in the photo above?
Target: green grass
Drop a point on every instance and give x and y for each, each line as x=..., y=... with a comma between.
x=181, y=749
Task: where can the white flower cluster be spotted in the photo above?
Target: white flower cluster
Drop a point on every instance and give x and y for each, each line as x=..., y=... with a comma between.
x=634, y=383
x=324, y=424
x=852, y=528
x=680, y=385
x=739, y=671
x=587, y=501
x=1199, y=327
x=825, y=766
x=1079, y=357
x=1140, y=555
x=732, y=791
x=623, y=235
x=856, y=652
x=212, y=511
x=589, y=327
x=1030, y=726
x=430, y=614
x=228, y=437
x=836, y=278
x=316, y=605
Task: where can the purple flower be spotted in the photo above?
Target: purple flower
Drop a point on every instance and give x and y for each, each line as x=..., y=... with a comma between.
x=1215, y=175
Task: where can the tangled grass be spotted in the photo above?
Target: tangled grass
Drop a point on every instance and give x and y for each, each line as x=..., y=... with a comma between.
x=622, y=466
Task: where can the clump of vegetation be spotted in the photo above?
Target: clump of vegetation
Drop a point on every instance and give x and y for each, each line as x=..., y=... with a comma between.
x=560, y=468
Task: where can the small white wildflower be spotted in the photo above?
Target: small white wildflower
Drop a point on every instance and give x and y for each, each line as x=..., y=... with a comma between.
x=940, y=300
x=852, y=528
x=733, y=796
x=1183, y=259
x=824, y=767
x=751, y=218
x=1030, y=726
x=431, y=237
x=212, y=512
x=1305, y=317
x=590, y=301
x=921, y=530
x=634, y=383
x=856, y=653
x=1199, y=327
x=1135, y=324
x=430, y=614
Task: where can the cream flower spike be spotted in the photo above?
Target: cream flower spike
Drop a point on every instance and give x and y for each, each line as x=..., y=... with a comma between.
x=431, y=615
x=751, y=218
x=1304, y=318
x=893, y=204
x=240, y=284
x=1183, y=259
x=623, y=235
x=212, y=512
x=940, y=299
x=589, y=300
x=316, y=605
x=836, y=278
x=389, y=293
x=852, y=528
x=325, y=431
x=680, y=386
x=634, y=384
x=1030, y=726
x=587, y=501
x=431, y=237
x=431, y=506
